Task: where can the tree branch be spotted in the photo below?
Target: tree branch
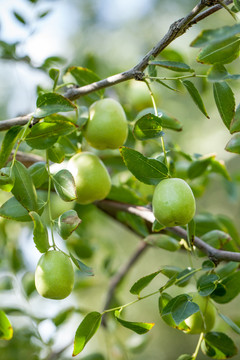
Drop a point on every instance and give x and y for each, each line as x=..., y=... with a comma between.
x=25, y=158
x=117, y=279
x=145, y=213
x=178, y=28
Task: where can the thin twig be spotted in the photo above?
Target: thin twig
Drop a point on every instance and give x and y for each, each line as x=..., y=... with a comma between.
x=120, y=275
x=146, y=214
x=178, y=28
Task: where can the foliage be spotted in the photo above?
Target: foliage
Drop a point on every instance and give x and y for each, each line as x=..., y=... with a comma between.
x=55, y=132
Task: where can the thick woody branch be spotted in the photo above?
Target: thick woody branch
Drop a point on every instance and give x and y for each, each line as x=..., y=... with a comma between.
x=20, y=120
x=26, y=159
x=178, y=28
x=146, y=214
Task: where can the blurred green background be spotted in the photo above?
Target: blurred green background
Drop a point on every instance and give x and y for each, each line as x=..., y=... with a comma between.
x=107, y=37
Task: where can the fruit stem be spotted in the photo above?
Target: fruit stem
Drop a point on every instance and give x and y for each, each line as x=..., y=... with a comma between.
x=156, y=113
x=49, y=198
x=195, y=354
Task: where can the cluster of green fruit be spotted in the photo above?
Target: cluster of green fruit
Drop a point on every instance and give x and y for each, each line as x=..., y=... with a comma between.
x=106, y=128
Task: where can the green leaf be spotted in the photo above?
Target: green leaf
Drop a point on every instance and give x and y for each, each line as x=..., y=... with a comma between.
x=219, y=73
x=171, y=271
x=62, y=316
x=184, y=276
x=41, y=15
x=227, y=269
x=232, y=324
x=208, y=265
x=82, y=76
x=86, y=330
x=225, y=101
x=206, y=284
x=167, y=121
x=234, y=144
x=148, y=171
x=45, y=133
x=237, y=4
x=126, y=194
x=86, y=270
x=207, y=37
x=8, y=143
x=191, y=88
x=223, y=52
x=83, y=115
x=235, y=123
x=38, y=173
x=13, y=210
x=54, y=75
x=134, y=222
x=165, y=85
x=163, y=301
x=6, y=179
x=218, y=345
x=218, y=166
x=163, y=241
x=230, y=288
x=139, y=285
x=67, y=223
x=19, y=17
x=156, y=226
x=6, y=330
x=173, y=65
x=51, y=103
x=56, y=153
x=216, y=238
x=152, y=71
x=199, y=166
x=180, y=307
x=52, y=61
x=40, y=233
x=148, y=127
x=24, y=189
x=183, y=308
x=138, y=327
x=64, y=185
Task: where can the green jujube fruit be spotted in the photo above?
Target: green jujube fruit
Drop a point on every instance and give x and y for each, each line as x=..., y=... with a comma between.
x=54, y=275
x=91, y=177
x=173, y=202
x=107, y=126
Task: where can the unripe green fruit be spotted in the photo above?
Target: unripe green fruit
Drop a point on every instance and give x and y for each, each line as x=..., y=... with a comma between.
x=138, y=95
x=54, y=275
x=173, y=202
x=107, y=126
x=91, y=177
x=203, y=320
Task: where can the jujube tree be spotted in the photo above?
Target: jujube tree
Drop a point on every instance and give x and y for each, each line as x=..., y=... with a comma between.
x=122, y=163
